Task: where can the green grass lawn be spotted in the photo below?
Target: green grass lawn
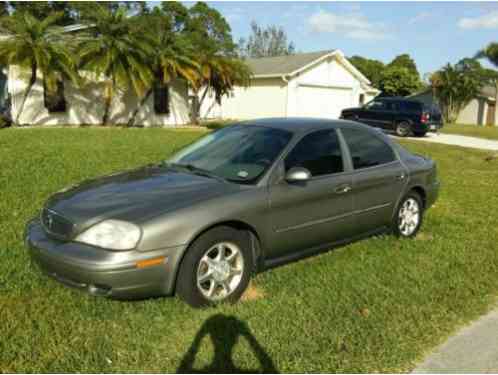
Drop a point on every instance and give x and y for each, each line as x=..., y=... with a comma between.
x=488, y=132
x=376, y=305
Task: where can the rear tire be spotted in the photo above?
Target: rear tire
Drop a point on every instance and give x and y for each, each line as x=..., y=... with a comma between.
x=409, y=216
x=403, y=129
x=217, y=268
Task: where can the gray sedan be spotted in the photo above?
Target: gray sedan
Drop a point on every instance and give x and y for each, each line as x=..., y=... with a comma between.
x=239, y=200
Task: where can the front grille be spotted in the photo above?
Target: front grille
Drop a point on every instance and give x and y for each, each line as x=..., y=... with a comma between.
x=55, y=224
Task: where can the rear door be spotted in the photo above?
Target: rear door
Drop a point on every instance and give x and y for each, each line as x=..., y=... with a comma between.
x=378, y=178
x=315, y=212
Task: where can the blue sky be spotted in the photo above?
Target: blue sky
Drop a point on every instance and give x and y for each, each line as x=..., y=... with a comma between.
x=433, y=33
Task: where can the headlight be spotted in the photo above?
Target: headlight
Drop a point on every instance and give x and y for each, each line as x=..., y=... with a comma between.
x=111, y=234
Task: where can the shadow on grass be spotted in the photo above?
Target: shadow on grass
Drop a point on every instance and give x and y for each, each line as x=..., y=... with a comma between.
x=225, y=332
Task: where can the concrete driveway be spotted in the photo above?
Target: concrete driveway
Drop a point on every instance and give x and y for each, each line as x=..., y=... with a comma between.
x=472, y=350
x=459, y=140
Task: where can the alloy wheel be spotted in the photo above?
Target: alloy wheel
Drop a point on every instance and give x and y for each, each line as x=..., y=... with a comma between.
x=409, y=217
x=220, y=271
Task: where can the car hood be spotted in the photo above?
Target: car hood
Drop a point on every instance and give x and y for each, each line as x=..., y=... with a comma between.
x=135, y=195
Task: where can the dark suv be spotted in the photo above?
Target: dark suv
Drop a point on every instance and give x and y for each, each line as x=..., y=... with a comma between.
x=400, y=115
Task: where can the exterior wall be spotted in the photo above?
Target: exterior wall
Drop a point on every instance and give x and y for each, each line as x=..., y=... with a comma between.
x=273, y=97
x=263, y=98
x=473, y=113
x=85, y=104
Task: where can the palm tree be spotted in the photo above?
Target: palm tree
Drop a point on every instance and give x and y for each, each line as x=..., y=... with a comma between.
x=116, y=52
x=39, y=46
x=171, y=57
x=491, y=54
x=219, y=74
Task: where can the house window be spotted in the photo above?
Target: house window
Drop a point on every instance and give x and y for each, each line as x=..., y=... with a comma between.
x=54, y=101
x=362, y=99
x=161, y=99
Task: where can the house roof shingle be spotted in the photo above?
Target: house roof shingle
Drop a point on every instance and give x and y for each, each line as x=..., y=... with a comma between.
x=282, y=65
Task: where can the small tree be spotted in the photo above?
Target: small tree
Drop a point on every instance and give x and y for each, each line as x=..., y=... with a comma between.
x=372, y=69
x=398, y=81
x=114, y=50
x=271, y=41
x=38, y=46
x=172, y=55
x=490, y=53
x=215, y=53
x=454, y=87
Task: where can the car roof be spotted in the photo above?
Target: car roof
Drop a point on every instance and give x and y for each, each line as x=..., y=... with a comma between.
x=400, y=99
x=299, y=124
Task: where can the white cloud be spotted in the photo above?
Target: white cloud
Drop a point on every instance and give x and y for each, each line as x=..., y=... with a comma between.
x=422, y=16
x=487, y=21
x=355, y=26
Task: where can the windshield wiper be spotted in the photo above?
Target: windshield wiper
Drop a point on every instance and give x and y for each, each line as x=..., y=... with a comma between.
x=195, y=170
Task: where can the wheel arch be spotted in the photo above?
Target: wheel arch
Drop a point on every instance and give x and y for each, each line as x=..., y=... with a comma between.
x=420, y=191
x=255, y=239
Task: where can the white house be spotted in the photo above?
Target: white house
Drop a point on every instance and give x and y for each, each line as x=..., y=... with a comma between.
x=85, y=104
x=316, y=84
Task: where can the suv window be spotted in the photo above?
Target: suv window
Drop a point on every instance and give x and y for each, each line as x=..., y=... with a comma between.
x=318, y=152
x=376, y=105
x=392, y=106
x=411, y=106
x=366, y=149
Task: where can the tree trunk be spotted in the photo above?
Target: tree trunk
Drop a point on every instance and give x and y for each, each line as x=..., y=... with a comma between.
x=31, y=83
x=142, y=102
x=108, y=101
x=195, y=108
x=496, y=101
x=198, y=105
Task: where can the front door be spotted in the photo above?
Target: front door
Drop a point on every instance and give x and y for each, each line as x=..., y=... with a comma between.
x=315, y=212
x=379, y=179
x=372, y=113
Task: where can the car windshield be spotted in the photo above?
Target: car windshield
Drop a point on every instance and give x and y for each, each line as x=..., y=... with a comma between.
x=238, y=153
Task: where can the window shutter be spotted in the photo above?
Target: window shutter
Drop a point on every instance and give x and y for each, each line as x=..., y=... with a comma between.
x=161, y=99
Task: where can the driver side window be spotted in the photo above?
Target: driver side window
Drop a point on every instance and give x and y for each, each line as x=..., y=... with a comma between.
x=376, y=105
x=318, y=152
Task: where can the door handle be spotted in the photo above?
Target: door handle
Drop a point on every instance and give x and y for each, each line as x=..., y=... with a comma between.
x=343, y=189
x=401, y=176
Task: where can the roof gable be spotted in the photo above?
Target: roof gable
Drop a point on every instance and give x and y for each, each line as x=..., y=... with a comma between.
x=289, y=65
x=283, y=65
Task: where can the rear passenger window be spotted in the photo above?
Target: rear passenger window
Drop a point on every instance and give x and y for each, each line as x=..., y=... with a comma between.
x=318, y=152
x=411, y=106
x=366, y=149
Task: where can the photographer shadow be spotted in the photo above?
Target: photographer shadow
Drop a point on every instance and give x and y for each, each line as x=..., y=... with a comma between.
x=225, y=332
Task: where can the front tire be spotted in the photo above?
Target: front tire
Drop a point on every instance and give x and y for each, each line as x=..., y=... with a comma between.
x=408, y=217
x=403, y=129
x=217, y=268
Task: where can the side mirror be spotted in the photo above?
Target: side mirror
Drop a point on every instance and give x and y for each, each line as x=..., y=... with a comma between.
x=297, y=174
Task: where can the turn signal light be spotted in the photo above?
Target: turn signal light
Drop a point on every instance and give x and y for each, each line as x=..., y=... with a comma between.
x=150, y=262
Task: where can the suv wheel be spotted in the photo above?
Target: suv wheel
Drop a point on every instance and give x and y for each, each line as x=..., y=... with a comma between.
x=403, y=129
x=217, y=268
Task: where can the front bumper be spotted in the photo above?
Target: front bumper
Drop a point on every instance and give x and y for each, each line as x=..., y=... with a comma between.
x=103, y=272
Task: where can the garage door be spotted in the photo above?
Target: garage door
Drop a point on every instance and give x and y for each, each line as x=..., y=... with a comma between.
x=325, y=102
